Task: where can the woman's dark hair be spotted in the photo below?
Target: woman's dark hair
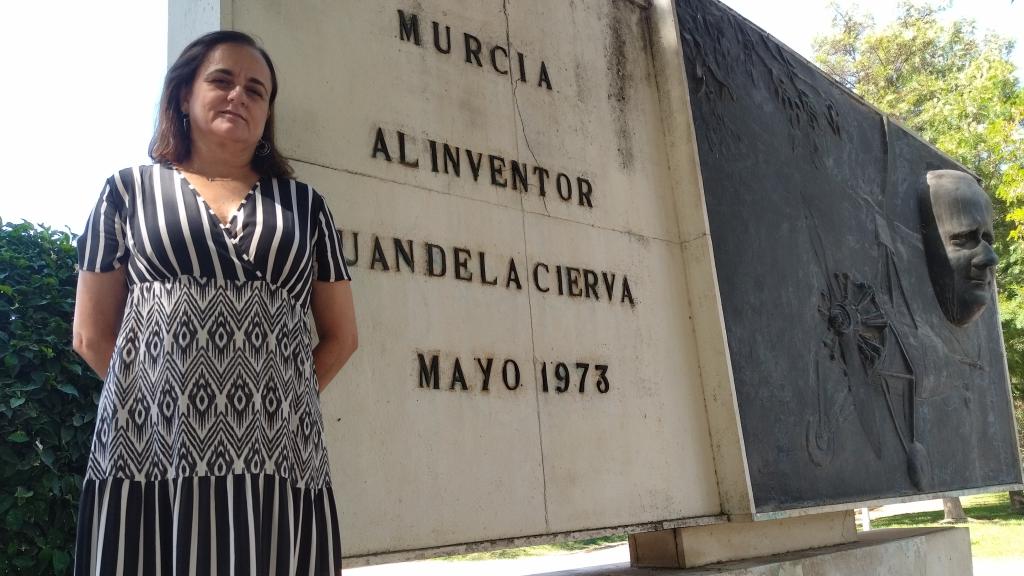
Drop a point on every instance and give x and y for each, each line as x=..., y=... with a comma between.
x=171, y=143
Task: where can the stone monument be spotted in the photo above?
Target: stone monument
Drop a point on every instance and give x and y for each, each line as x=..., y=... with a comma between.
x=628, y=266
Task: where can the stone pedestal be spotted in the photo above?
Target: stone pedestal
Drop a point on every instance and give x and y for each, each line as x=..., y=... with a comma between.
x=893, y=552
x=701, y=545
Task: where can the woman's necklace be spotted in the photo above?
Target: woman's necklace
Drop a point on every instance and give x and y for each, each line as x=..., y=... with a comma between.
x=211, y=178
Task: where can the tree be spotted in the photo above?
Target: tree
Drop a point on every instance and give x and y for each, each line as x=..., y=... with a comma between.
x=953, y=511
x=957, y=89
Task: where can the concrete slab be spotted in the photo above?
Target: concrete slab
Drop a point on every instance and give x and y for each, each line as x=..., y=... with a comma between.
x=910, y=552
x=917, y=552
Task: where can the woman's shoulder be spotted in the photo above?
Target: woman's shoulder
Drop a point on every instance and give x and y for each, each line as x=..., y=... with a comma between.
x=125, y=186
x=136, y=170
x=303, y=190
x=131, y=177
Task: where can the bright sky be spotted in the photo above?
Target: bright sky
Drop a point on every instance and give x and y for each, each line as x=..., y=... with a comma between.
x=80, y=90
x=82, y=79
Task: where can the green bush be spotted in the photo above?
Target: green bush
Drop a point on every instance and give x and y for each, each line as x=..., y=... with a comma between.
x=48, y=400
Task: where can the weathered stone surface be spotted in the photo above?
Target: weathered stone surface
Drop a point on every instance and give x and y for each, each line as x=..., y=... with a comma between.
x=548, y=192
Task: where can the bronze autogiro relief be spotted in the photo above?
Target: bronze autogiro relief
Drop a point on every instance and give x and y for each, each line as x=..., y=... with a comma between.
x=855, y=267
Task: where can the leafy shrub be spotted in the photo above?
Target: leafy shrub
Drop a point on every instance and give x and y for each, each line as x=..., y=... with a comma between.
x=48, y=400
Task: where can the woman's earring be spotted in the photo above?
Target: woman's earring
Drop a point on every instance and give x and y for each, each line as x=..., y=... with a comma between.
x=184, y=122
x=262, y=149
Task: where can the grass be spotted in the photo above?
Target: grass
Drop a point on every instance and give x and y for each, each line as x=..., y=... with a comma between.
x=542, y=550
x=996, y=531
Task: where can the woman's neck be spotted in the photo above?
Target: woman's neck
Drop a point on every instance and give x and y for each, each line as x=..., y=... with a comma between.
x=220, y=162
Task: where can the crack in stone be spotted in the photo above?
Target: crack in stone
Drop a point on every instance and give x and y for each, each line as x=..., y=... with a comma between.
x=526, y=254
x=514, y=82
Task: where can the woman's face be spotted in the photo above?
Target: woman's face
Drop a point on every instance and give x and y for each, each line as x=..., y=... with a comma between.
x=230, y=97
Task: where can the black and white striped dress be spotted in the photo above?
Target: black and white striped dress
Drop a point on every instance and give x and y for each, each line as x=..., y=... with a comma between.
x=208, y=455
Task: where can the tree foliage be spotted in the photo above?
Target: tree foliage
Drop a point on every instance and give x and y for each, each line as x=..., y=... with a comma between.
x=48, y=401
x=956, y=88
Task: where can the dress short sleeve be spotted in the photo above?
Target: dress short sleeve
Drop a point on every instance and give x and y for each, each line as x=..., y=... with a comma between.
x=102, y=247
x=328, y=260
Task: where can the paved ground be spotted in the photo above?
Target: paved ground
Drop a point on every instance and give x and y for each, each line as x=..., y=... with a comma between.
x=908, y=508
x=998, y=566
x=610, y=556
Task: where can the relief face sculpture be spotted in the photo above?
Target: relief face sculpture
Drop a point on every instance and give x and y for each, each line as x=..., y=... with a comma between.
x=957, y=217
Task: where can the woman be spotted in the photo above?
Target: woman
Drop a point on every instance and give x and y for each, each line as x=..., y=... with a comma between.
x=197, y=273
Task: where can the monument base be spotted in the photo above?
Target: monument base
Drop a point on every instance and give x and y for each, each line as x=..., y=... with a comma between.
x=692, y=546
x=893, y=552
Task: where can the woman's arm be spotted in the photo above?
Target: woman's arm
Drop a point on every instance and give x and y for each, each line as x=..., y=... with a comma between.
x=335, y=318
x=99, y=307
